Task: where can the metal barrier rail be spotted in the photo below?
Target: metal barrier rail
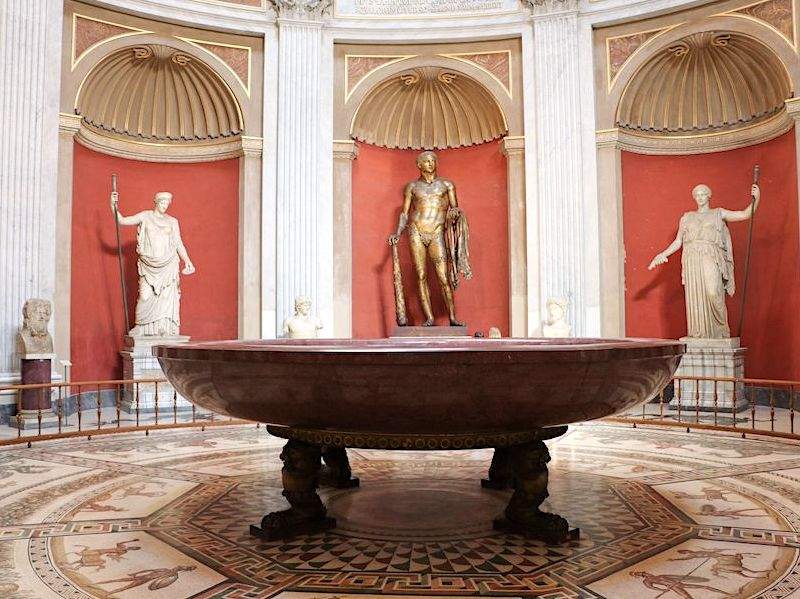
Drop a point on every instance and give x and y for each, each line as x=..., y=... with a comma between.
x=772, y=414
x=77, y=409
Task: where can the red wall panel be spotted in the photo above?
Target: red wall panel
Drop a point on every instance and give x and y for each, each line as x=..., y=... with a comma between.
x=205, y=201
x=657, y=191
x=379, y=177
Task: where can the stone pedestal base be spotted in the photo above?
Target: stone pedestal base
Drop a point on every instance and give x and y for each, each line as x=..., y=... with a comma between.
x=711, y=358
x=35, y=369
x=138, y=362
x=430, y=332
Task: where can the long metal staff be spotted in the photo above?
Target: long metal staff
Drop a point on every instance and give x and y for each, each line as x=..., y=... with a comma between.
x=119, y=259
x=756, y=173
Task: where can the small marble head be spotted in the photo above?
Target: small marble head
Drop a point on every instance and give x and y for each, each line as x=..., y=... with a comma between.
x=36, y=316
x=302, y=305
x=162, y=200
x=556, y=309
x=426, y=161
x=702, y=195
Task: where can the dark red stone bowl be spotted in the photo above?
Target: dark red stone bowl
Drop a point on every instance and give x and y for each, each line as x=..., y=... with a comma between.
x=420, y=386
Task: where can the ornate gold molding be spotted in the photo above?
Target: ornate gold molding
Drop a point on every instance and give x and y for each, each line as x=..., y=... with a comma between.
x=90, y=32
x=621, y=48
x=495, y=63
x=236, y=59
x=358, y=67
x=777, y=15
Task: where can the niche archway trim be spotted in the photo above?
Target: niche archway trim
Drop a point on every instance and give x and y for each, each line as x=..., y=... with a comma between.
x=428, y=108
x=158, y=94
x=705, y=85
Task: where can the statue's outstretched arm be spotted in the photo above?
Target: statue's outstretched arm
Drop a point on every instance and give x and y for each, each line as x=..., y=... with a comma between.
x=124, y=220
x=740, y=215
x=671, y=249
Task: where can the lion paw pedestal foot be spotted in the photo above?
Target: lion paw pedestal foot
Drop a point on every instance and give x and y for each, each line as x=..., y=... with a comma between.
x=500, y=475
x=528, y=468
x=336, y=471
x=307, y=514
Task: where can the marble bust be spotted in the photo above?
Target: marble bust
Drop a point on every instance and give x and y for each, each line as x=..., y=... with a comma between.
x=34, y=337
x=301, y=325
x=556, y=324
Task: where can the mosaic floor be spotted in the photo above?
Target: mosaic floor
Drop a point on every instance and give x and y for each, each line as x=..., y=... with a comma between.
x=662, y=515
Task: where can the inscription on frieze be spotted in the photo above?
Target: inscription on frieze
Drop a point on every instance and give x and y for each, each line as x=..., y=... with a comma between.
x=400, y=8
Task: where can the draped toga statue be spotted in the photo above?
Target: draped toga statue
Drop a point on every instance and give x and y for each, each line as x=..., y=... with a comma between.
x=707, y=262
x=160, y=249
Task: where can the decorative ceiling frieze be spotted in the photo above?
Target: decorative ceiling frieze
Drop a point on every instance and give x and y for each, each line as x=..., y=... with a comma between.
x=238, y=59
x=496, y=63
x=90, y=32
x=777, y=14
x=358, y=67
x=301, y=9
x=705, y=83
x=428, y=108
x=155, y=93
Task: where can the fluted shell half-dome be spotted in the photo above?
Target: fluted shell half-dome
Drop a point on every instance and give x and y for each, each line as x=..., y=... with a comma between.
x=157, y=93
x=428, y=108
x=705, y=82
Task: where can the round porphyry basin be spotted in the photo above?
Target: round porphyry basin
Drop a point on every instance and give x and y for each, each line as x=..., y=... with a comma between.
x=420, y=385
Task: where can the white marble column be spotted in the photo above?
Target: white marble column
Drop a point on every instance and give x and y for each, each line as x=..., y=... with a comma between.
x=793, y=110
x=612, y=248
x=250, y=238
x=68, y=126
x=344, y=152
x=303, y=197
x=513, y=149
x=558, y=163
x=30, y=50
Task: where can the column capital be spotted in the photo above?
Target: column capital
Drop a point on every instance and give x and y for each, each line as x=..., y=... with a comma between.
x=345, y=148
x=513, y=145
x=793, y=108
x=69, y=123
x=551, y=7
x=252, y=146
x=607, y=138
x=308, y=12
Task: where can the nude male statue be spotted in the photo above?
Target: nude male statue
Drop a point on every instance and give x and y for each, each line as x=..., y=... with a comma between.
x=430, y=208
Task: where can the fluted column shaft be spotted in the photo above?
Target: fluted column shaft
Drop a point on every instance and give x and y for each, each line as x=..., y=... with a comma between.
x=30, y=47
x=513, y=149
x=304, y=207
x=558, y=160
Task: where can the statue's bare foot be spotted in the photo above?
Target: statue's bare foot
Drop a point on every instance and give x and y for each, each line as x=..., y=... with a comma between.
x=457, y=323
x=428, y=323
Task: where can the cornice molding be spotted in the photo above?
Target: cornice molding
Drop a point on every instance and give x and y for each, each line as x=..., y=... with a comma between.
x=702, y=143
x=160, y=152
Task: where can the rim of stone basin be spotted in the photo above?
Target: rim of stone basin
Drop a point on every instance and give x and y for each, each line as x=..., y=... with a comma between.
x=581, y=349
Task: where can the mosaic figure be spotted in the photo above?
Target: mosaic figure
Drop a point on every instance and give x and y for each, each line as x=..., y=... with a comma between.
x=724, y=563
x=96, y=558
x=677, y=583
x=155, y=579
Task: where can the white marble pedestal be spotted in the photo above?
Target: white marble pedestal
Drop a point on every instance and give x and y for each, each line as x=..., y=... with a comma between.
x=138, y=362
x=719, y=358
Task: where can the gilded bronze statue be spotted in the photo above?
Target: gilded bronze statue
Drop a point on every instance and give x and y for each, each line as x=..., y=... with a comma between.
x=437, y=229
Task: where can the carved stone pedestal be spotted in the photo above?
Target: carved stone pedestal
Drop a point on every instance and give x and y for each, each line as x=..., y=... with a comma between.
x=719, y=358
x=409, y=331
x=36, y=407
x=138, y=362
x=520, y=462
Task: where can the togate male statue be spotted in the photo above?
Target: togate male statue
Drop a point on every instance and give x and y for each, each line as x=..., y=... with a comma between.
x=707, y=262
x=34, y=338
x=159, y=248
x=437, y=229
x=301, y=325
